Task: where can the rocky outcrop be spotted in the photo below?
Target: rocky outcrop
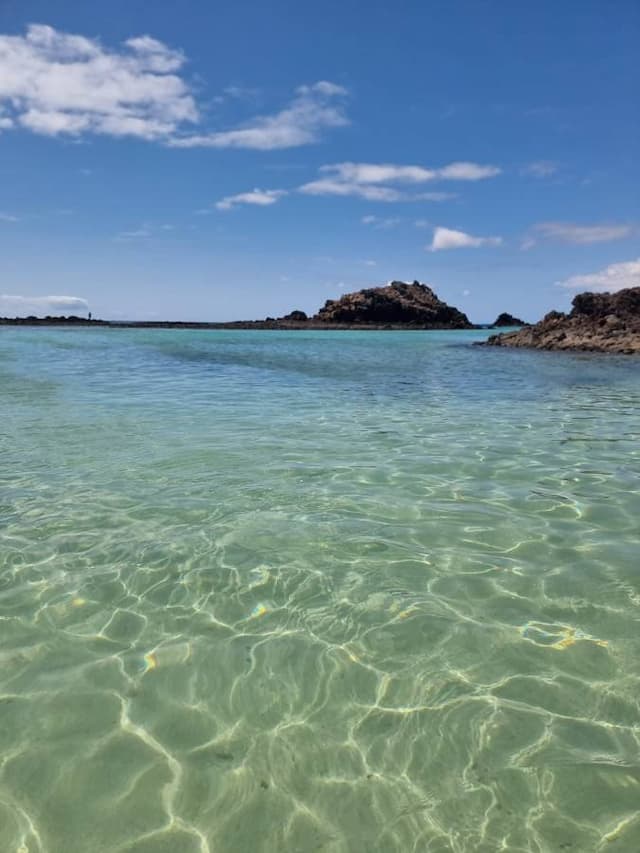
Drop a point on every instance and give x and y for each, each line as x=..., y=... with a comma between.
x=598, y=322
x=398, y=304
x=505, y=319
x=294, y=317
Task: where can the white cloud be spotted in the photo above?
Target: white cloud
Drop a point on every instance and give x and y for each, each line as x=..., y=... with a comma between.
x=370, y=192
x=313, y=109
x=21, y=306
x=145, y=232
x=378, y=181
x=323, y=87
x=568, y=232
x=158, y=57
x=448, y=238
x=8, y=217
x=370, y=263
x=378, y=173
x=610, y=279
x=380, y=222
x=141, y=233
x=466, y=292
x=435, y=196
x=56, y=83
x=262, y=198
x=540, y=169
x=464, y=171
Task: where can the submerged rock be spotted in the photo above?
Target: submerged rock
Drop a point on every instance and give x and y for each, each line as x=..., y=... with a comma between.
x=399, y=303
x=598, y=322
x=505, y=319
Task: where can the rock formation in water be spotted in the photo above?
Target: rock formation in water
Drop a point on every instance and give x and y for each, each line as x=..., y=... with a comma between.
x=294, y=317
x=397, y=304
x=598, y=322
x=505, y=319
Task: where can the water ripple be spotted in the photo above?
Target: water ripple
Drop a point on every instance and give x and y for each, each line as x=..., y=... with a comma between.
x=338, y=592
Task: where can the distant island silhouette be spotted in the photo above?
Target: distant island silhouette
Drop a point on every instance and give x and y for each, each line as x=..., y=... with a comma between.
x=598, y=322
x=397, y=305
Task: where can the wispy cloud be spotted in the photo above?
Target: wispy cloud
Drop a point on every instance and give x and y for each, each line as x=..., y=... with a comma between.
x=368, y=181
x=145, y=232
x=142, y=233
x=383, y=173
x=323, y=87
x=241, y=92
x=380, y=221
x=540, y=169
x=388, y=181
x=313, y=109
x=236, y=93
x=569, y=232
x=12, y=305
x=55, y=83
x=610, y=279
x=261, y=198
x=337, y=187
x=8, y=217
x=448, y=238
x=378, y=173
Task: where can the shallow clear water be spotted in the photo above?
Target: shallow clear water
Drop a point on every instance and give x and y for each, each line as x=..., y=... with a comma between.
x=348, y=592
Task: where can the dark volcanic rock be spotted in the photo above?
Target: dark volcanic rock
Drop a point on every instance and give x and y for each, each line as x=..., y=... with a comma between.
x=396, y=304
x=31, y=320
x=505, y=319
x=598, y=322
x=294, y=317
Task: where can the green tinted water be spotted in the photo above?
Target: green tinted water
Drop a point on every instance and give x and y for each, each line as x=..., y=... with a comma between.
x=316, y=591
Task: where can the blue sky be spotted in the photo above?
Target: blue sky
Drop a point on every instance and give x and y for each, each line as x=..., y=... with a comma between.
x=217, y=161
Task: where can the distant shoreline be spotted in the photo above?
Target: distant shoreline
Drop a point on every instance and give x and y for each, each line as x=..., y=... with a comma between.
x=276, y=325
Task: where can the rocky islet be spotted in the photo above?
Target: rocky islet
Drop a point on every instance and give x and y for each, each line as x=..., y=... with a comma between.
x=598, y=322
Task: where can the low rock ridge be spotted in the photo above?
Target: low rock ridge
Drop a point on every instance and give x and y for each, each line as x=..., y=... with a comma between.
x=598, y=322
x=397, y=304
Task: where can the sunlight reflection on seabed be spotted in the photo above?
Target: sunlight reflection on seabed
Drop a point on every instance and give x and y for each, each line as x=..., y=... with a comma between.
x=255, y=595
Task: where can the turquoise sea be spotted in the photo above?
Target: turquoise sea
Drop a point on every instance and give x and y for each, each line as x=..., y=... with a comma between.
x=349, y=592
